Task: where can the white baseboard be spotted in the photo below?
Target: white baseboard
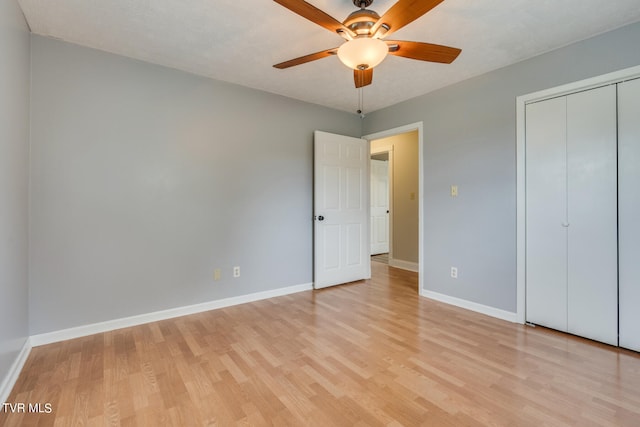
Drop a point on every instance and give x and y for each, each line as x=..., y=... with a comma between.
x=110, y=325
x=469, y=305
x=404, y=265
x=12, y=376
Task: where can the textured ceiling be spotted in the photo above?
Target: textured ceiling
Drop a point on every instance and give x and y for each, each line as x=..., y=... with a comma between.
x=239, y=41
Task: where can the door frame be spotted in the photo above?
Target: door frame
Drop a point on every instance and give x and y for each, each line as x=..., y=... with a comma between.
x=521, y=220
x=397, y=131
x=389, y=150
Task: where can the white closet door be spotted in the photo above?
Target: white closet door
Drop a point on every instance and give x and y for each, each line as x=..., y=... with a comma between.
x=629, y=212
x=592, y=213
x=546, y=199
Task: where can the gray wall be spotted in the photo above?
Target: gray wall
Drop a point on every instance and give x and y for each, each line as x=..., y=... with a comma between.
x=470, y=141
x=14, y=183
x=145, y=179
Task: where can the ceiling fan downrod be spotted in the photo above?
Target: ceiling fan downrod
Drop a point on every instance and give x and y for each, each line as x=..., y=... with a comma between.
x=362, y=3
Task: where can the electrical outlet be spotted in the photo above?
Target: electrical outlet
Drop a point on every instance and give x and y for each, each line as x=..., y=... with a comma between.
x=454, y=191
x=216, y=274
x=236, y=271
x=454, y=272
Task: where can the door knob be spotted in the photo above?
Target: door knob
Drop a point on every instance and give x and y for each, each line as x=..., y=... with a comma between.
x=320, y=218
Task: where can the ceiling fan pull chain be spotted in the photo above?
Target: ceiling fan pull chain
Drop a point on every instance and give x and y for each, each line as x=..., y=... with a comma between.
x=361, y=102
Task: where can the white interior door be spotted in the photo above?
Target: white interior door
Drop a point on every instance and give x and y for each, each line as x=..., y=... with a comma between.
x=629, y=212
x=341, y=209
x=571, y=214
x=546, y=207
x=593, y=215
x=379, y=207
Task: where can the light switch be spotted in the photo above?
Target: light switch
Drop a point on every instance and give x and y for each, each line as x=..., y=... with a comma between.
x=454, y=191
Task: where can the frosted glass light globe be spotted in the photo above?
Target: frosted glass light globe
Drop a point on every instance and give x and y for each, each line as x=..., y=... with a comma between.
x=363, y=53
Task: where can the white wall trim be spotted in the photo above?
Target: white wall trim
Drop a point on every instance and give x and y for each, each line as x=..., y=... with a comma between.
x=14, y=371
x=405, y=265
x=469, y=305
x=110, y=325
x=419, y=126
x=521, y=102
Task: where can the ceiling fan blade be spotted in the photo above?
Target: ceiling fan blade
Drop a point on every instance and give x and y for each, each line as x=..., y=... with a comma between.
x=363, y=77
x=403, y=13
x=423, y=51
x=315, y=15
x=306, y=58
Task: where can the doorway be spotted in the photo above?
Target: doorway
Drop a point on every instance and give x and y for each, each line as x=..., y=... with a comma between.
x=402, y=150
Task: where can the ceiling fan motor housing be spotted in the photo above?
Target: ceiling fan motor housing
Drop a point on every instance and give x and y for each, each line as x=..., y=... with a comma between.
x=361, y=21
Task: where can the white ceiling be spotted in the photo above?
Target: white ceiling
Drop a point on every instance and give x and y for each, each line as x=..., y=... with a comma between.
x=239, y=41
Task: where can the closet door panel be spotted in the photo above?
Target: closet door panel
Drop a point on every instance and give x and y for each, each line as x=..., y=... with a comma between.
x=629, y=212
x=546, y=238
x=592, y=213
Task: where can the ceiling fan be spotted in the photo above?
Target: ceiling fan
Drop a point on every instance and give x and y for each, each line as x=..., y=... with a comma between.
x=364, y=31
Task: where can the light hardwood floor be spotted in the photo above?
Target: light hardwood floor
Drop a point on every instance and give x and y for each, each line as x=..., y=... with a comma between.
x=367, y=353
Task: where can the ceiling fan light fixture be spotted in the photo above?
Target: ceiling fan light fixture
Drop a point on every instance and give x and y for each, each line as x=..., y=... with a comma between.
x=362, y=53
